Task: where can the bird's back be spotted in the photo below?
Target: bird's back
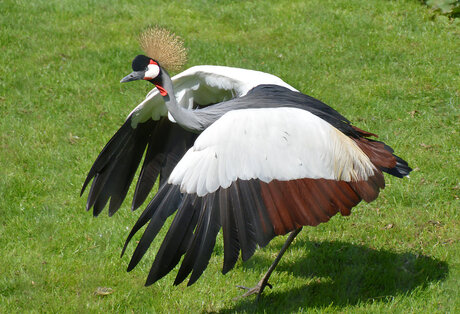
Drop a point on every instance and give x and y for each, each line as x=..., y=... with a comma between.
x=275, y=96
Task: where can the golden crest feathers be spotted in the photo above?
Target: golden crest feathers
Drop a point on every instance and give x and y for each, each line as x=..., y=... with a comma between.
x=164, y=47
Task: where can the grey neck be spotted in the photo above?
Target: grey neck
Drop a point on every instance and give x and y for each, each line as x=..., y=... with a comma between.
x=186, y=118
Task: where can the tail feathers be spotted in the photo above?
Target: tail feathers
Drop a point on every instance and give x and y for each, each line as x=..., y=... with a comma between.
x=381, y=155
x=401, y=169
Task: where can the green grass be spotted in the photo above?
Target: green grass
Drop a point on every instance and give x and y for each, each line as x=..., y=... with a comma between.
x=391, y=67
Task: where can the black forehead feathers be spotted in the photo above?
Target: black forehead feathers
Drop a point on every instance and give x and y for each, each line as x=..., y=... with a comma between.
x=140, y=62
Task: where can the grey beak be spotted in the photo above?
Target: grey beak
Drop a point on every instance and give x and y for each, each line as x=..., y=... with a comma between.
x=134, y=76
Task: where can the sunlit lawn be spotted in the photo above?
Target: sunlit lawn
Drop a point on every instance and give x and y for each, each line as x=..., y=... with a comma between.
x=391, y=67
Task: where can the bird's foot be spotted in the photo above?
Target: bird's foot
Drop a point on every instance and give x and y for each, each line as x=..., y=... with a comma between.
x=259, y=288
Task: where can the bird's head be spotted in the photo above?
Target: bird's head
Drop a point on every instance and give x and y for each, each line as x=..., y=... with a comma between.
x=161, y=47
x=144, y=68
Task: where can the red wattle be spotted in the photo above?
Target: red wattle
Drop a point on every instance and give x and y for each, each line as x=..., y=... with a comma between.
x=163, y=91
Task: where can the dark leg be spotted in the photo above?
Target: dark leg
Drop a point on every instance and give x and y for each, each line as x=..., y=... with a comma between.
x=259, y=288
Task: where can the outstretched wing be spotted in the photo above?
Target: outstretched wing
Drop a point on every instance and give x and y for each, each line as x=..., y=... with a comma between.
x=257, y=173
x=146, y=128
x=114, y=169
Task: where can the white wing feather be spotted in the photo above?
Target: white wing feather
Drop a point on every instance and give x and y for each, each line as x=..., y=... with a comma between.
x=273, y=143
x=203, y=84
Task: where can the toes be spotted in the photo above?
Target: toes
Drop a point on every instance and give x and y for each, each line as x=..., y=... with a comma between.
x=250, y=292
x=258, y=289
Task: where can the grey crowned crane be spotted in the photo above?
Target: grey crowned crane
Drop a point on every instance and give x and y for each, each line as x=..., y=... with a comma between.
x=242, y=151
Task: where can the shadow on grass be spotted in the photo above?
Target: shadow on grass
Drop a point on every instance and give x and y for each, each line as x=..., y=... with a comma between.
x=342, y=274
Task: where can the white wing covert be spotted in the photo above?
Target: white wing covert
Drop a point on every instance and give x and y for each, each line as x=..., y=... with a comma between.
x=269, y=144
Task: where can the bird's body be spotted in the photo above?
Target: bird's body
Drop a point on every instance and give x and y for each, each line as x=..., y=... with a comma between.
x=249, y=154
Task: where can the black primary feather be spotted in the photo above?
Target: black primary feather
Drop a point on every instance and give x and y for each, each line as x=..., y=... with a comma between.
x=176, y=241
x=152, y=163
x=114, y=169
x=148, y=212
x=193, y=249
x=165, y=209
x=230, y=231
x=211, y=229
x=110, y=149
x=167, y=145
x=246, y=232
x=256, y=211
x=116, y=165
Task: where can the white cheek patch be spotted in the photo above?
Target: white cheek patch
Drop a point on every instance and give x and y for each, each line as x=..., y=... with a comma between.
x=152, y=72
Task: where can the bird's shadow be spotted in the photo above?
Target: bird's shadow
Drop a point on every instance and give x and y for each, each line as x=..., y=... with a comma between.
x=342, y=274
